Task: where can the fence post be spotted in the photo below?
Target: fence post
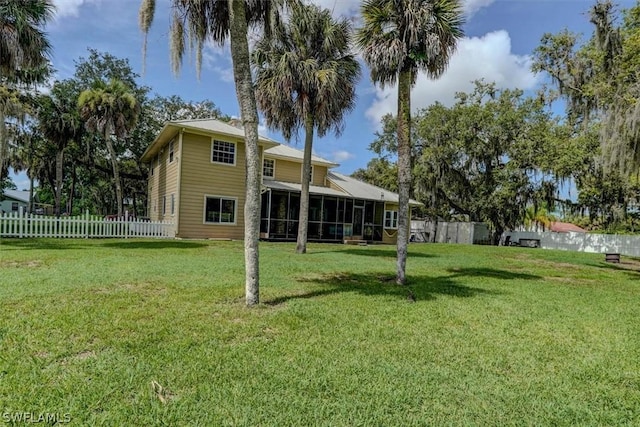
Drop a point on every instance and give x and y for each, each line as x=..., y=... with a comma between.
x=86, y=224
x=126, y=224
x=20, y=222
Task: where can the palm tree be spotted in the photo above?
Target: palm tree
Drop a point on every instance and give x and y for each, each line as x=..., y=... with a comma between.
x=305, y=78
x=400, y=38
x=24, y=48
x=10, y=105
x=219, y=20
x=60, y=124
x=110, y=110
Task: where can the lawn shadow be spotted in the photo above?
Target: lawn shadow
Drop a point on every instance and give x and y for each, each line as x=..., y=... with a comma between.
x=154, y=244
x=630, y=267
x=420, y=288
x=61, y=244
x=491, y=273
x=373, y=252
x=44, y=244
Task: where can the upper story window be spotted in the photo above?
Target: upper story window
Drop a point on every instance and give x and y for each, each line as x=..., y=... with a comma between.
x=223, y=152
x=302, y=173
x=171, y=144
x=268, y=168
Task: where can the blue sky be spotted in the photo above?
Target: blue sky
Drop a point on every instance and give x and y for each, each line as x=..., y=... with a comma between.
x=500, y=36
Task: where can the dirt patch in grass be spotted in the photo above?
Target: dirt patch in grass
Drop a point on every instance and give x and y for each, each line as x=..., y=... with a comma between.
x=139, y=288
x=78, y=357
x=630, y=264
x=21, y=264
x=85, y=355
x=163, y=394
x=571, y=280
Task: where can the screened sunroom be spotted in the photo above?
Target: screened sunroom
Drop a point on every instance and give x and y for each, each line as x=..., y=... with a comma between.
x=332, y=216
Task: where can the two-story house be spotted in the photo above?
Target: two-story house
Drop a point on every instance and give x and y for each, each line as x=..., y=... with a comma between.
x=197, y=180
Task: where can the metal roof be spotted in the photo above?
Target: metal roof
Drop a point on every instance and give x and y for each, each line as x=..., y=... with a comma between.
x=361, y=190
x=207, y=126
x=313, y=189
x=565, y=227
x=216, y=126
x=286, y=152
x=21, y=196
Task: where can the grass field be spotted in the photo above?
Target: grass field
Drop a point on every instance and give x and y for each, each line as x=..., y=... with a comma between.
x=156, y=333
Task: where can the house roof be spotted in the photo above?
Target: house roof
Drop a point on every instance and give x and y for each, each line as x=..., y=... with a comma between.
x=565, y=227
x=208, y=126
x=20, y=196
x=362, y=190
x=285, y=152
x=313, y=189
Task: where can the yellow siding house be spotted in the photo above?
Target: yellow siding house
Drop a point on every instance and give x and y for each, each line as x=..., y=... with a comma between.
x=197, y=181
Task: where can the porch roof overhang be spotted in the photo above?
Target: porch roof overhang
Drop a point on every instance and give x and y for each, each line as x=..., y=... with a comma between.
x=313, y=189
x=362, y=190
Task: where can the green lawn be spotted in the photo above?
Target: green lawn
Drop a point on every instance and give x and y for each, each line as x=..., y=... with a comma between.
x=116, y=332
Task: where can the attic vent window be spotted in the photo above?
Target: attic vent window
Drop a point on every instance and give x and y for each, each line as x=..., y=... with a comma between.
x=223, y=152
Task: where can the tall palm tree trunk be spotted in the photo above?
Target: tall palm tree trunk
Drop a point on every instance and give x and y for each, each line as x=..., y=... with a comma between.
x=303, y=223
x=247, y=100
x=404, y=171
x=3, y=142
x=59, y=171
x=116, y=174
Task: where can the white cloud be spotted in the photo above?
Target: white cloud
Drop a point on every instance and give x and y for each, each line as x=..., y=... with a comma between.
x=351, y=8
x=340, y=7
x=488, y=57
x=472, y=6
x=218, y=59
x=263, y=129
x=70, y=7
x=341, y=156
x=225, y=74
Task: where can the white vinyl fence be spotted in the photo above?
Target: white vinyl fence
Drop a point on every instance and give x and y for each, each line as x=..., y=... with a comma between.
x=583, y=242
x=19, y=224
x=476, y=233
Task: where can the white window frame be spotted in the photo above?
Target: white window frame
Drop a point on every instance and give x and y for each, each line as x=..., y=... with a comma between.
x=273, y=168
x=171, y=151
x=213, y=196
x=164, y=205
x=302, y=173
x=392, y=217
x=173, y=204
x=235, y=152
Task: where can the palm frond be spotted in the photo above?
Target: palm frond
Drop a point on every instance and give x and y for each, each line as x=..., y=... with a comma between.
x=414, y=35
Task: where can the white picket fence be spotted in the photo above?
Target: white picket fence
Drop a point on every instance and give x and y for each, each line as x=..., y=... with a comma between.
x=22, y=225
